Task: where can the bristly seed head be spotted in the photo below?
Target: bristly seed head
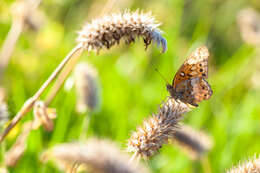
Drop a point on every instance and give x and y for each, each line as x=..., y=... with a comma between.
x=87, y=88
x=97, y=155
x=251, y=166
x=108, y=30
x=156, y=131
x=194, y=143
x=249, y=24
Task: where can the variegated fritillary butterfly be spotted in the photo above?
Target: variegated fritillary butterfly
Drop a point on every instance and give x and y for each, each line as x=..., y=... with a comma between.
x=189, y=84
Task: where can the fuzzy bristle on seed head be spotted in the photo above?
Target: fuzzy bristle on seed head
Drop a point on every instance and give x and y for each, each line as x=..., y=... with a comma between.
x=87, y=87
x=99, y=156
x=251, y=166
x=156, y=131
x=194, y=143
x=109, y=30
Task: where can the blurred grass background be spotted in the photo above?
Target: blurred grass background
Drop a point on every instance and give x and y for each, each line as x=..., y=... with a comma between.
x=131, y=88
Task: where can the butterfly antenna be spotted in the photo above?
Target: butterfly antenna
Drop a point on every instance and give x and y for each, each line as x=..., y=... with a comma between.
x=156, y=69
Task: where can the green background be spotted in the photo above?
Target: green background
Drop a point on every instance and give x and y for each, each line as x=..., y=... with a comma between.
x=131, y=90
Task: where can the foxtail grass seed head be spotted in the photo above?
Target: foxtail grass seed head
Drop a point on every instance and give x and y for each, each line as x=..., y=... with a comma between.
x=36, y=20
x=156, y=131
x=17, y=150
x=249, y=23
x=194, y=143
x=19, y=10
x=87, y=87
x=99, y=156
x=251, y=166
x=22, y=9
x=109, y=30
x=43, y=116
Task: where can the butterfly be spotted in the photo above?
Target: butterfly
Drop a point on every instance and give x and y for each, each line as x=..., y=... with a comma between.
x=189, y=84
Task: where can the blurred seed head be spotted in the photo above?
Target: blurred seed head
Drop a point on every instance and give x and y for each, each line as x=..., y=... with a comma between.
x=36, y=20
x=194, y=143
x=19, y=10
x=251, y=166
x=3, y=170
x=18, y=148
x=4, y=115
x=156, y=131
x=43, y=116
x=2, y=94
x=110, y=29
x=99, y=156
x=249, y=23
x=255, y=80
x=87, y=87
x=26, y=11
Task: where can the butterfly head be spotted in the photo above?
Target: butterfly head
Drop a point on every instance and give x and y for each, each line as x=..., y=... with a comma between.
x=170, y=89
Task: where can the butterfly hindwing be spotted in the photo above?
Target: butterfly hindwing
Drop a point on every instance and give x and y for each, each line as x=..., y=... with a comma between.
x=193, y=91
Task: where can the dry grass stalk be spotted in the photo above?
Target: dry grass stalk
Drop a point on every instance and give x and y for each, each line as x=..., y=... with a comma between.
x=30, y=102
x=43, y=116
x=156, y=131
x=251, y=166
x=249, y=23
x=194, y=143
x=86, y=87
x=96, y=35
x=62, y=77
x=109, y=30
x=97, y=155
x=17, y=150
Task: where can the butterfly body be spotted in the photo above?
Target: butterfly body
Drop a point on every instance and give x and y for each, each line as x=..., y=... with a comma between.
x=189, y=84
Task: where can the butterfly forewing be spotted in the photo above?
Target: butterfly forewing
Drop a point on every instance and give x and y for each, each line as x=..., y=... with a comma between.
x=196, y=65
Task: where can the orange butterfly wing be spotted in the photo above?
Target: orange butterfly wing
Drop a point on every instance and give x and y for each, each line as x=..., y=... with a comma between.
x=196, y=65
x=193, y=91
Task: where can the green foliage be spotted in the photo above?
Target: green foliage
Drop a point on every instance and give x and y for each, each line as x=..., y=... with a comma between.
x=131, y=88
